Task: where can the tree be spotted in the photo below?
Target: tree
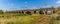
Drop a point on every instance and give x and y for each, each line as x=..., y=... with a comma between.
x=1, y=12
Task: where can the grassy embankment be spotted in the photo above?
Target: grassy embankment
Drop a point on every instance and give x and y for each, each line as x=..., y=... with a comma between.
x=56, y=20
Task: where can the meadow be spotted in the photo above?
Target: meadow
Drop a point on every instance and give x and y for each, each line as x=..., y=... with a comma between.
x=18, y=18
x=27, y=19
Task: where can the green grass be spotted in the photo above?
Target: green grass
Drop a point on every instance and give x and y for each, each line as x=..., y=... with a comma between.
x=19, y=18
x=54, y=20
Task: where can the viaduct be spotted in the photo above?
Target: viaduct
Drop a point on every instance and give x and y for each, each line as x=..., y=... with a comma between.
x=35, y=11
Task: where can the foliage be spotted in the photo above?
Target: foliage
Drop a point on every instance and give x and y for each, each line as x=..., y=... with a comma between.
x=1, y=12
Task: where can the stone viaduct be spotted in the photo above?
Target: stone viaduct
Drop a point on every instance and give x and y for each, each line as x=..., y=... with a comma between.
x=35, y=11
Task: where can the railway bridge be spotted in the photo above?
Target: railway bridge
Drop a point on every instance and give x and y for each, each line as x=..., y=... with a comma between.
x=35, y=11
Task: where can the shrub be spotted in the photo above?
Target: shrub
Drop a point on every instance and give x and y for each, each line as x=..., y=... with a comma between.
x=1, y=12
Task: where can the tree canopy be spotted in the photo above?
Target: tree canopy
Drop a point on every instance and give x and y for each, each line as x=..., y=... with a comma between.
x=1, y=12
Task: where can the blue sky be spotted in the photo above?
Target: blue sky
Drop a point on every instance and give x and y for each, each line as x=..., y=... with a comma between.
x=26, y=4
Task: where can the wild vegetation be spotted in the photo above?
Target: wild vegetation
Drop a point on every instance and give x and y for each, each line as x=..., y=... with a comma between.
x=56, y=20
x=22, y=18
x=18, y=18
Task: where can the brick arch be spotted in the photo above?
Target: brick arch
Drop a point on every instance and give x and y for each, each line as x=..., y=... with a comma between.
x=28, y=12
x=23, y=12
x=48, y=12
x=34, y=12
x=41, y=12
x=54, y=11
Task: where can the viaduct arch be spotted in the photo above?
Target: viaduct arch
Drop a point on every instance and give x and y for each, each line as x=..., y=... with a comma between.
x=35, y=11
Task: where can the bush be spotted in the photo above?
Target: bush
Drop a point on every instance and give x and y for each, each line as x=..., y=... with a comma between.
x=58, y=18
x=1, y=12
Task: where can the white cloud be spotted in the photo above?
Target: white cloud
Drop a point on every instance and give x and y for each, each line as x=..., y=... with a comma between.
x=12, y=4
x=34, y=7
x=47, y=6
x=58, y=1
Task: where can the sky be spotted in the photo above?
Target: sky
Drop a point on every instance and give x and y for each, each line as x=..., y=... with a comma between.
x=8, y=5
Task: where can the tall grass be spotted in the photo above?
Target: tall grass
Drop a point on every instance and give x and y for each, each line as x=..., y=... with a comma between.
x=19, y=18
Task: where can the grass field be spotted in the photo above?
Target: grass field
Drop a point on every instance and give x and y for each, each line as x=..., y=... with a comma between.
x=22, y=18
x=18, y=18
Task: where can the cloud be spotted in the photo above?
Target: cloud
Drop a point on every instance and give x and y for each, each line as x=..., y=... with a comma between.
x=12, y=4
x=58, y=1
x=34, y=7
x=47, y=6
